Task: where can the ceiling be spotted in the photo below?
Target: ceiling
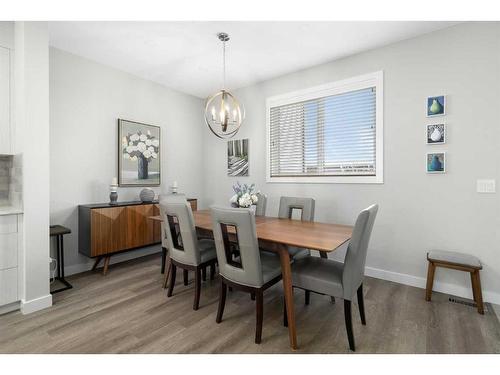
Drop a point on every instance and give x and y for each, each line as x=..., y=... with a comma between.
x=187, y=56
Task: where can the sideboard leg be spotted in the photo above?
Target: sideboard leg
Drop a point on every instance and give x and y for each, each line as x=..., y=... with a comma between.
x=106, y=264
x=96, y=263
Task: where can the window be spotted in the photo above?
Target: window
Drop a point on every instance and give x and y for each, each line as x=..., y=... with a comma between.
x=331, y=133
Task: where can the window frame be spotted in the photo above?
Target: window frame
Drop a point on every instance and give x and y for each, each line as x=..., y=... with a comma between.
x=375, y=79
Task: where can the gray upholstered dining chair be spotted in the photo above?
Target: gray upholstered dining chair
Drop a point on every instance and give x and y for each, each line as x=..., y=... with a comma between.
x=306, y=206
x=260, y=206
x=336, y=279
x=252, y=271
x=186, y=250
x=165, y=260
x=164, y=243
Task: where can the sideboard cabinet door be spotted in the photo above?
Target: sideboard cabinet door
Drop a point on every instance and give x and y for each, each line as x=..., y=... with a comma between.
x=108, y=230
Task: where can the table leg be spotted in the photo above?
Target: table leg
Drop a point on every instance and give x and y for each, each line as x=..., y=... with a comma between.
x=60, y=265
x=286, y=272
x=62, y=258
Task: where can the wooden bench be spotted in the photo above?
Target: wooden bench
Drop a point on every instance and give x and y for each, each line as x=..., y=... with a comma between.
x=456, y=261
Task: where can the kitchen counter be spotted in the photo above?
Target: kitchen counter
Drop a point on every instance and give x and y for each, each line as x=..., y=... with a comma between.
x=10, y=210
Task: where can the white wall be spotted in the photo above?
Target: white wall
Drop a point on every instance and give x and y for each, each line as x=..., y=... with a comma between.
x=7, y=34
x=86, y=99
x=31, y=119
x=418, y=211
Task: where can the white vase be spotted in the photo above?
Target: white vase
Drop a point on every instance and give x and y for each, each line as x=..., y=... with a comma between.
x=436, y=135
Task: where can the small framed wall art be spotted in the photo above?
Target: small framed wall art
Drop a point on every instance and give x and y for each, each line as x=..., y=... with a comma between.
x=237, y=157
x=436, y=134
x=436, y=162
x=436, y=106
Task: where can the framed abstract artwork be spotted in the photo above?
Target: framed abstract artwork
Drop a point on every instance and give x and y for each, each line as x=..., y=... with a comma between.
x=139, y=154
x=436, y=134
x=436, y=106
x=436, y=162
x=237, y=158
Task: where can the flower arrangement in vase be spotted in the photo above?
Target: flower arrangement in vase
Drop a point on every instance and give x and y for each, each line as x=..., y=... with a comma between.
x=142, y=148
x=244, y=196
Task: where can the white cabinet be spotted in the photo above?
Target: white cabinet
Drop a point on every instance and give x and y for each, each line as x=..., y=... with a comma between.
x=5, y=126
x=8, y=286
x=8, y=251
x=8, y=224
x=9, y=255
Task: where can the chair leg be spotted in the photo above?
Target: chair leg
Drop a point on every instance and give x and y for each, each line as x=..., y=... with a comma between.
x=222, y=301
x=167, y=275
x=308, y=297
x=204, y=273
x=163, y=259
x=186, y=278
x=361, y=305
x=476, y=288
x=348, y=324
x=197, y=289
x=430, y=280
x=173, y=273
x=259, y=315
x=212, y=271
x=285, y=316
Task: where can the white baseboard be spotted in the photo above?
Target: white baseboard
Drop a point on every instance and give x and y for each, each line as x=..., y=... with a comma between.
x=420, y=282
x=28, y=307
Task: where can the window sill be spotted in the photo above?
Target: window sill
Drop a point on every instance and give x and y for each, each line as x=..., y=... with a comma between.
x=328, y=180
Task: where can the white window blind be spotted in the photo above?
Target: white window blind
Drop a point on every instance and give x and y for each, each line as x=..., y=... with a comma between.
x=327, y=135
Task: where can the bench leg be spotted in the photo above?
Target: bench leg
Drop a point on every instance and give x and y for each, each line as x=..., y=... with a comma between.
x=430, y=281
x=476, y=291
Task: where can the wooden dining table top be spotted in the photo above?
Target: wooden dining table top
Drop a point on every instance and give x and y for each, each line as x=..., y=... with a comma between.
x=305, y=234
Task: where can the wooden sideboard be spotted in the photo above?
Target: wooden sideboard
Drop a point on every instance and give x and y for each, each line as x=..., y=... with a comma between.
x=104, y=229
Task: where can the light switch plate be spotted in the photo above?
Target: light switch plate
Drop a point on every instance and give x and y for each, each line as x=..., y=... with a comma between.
x=486, y=186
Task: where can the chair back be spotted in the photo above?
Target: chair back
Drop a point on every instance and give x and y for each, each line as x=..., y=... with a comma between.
x=170, y=198
x=181, y=231
x=288, y=204
x=237, y=225
x=355, y=258
x=260, y=206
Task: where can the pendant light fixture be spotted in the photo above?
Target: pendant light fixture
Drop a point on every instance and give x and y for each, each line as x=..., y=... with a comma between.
x=223, y=113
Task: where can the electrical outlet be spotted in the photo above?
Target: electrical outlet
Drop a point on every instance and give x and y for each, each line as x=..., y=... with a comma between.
x=486, y=186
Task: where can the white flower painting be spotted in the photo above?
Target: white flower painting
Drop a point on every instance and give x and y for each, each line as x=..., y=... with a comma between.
x=139, y=154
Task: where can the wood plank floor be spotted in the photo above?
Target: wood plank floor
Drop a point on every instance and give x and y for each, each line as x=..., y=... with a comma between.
x=127, y=311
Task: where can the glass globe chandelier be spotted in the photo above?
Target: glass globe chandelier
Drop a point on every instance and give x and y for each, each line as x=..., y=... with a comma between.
x=223, y=113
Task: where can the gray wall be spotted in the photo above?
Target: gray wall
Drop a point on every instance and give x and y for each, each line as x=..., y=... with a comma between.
x=86, y=99
x=418, y=211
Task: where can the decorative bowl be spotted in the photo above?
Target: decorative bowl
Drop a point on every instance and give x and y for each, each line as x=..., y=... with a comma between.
x=147, y=195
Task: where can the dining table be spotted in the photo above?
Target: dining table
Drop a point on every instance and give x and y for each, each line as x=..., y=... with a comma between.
x=277, y=235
